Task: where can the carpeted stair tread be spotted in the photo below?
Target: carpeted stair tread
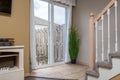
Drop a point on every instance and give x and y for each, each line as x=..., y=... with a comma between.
x=93, y=73
x=115, y=55
x=105, y=64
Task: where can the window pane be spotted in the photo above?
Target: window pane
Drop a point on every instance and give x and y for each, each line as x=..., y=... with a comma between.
x=59, y=30
x=41, y=9
x=59, y=15
x=41, y=33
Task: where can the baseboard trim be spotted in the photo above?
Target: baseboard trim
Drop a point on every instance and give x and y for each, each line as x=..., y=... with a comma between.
x=84, y=64
x=80, y=63
x=27, y=74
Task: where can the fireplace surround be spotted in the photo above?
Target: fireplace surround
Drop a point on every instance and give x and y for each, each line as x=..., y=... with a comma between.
x=11, y=63
x=8, y=59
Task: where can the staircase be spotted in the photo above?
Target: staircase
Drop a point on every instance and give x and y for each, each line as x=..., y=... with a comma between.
x=106, y=65
x=105, y=70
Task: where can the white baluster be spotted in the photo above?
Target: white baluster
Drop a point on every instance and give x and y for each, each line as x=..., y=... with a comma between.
x=116, y=27
x=108, y=13
x=102, y=37
x=96, y=37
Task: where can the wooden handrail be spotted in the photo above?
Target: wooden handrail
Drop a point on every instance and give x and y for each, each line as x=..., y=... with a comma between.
x=105, y=10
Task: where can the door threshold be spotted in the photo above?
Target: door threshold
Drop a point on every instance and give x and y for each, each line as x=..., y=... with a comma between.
x=49, y=65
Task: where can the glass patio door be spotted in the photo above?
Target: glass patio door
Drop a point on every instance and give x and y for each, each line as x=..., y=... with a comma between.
x=49, y=32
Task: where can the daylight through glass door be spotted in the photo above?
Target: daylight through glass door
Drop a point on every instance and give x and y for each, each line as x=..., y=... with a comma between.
x=50, y=32
x=41, y=31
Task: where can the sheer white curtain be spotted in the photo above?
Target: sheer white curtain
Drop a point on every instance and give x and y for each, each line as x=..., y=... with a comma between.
x=66, y=2
x=69, y=23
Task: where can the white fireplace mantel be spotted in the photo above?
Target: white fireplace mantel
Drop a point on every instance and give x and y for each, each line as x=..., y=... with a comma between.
x=11, y=47
x=15, y=73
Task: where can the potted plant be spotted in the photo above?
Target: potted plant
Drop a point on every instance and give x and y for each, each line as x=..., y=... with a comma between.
x=73, y=44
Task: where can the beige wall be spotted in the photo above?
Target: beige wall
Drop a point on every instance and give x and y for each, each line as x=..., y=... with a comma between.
x=80, y=19
x=17, y=26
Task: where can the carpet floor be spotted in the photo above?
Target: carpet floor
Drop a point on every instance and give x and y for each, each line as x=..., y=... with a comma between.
x=42, y=78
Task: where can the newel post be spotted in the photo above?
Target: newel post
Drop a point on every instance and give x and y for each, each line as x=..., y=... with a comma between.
x=91, y=41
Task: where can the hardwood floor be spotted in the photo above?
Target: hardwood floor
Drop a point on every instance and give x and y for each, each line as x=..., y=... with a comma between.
x=41, y=78
x=66, y=71
x=117, y=77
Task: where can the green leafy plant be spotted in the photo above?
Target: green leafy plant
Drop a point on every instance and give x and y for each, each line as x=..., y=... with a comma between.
x=73, y=44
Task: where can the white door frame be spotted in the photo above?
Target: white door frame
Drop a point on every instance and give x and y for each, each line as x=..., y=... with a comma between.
x=32, y=37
